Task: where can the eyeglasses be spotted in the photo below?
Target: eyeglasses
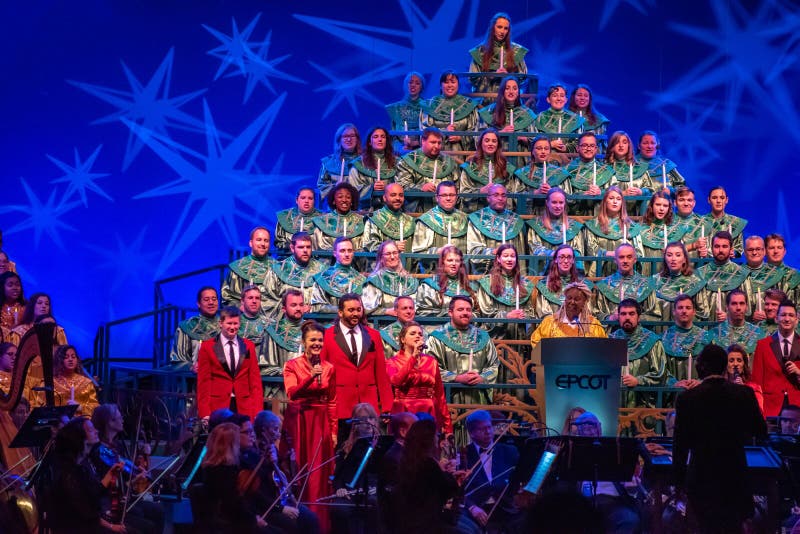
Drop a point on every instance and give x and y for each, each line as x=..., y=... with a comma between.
x=587, y=146
x=447, y=195
x=349, y=136
x=390, y=254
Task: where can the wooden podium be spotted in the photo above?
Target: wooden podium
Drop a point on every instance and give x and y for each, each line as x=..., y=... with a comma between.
x=579, y=371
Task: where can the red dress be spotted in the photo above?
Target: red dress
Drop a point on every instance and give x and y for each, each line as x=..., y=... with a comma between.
x=310, y=420
x=418, y=387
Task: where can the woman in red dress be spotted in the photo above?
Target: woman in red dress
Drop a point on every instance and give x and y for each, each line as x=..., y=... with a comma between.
x=310, y=419
x=416, y=379
x=739, y=371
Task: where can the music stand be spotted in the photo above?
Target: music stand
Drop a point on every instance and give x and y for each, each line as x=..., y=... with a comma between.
x=353, y=466
x=37, y=429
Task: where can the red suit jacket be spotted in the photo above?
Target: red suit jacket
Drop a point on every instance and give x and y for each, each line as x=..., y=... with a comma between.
x=768, y=372
x=215, y=382
x=365, y=382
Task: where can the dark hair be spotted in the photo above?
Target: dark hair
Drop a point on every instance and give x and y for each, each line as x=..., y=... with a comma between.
x=305, y=188
x=4, y=278
x=70, y=440
x=630, y=303
x=368, y=156
x=257, y=228
x=347, y=297
x=431, y=130
x=717, y=188
x=27, y=315
x=406, y=327
x=446, y=183
x=713, y=360
x=496, y=284
x=291, y=291
x=332, y=194
x=420, y=444
x=680, y=297
x=204, y=289
x=487, y=48
x=650, y=216
x=591, y=117
x=746, y=371
x=788, y=304
x=686, y=269
x=456, y=298
x=552, y=276
x=339, y=240
x=683, y=190
x=58, y=359
x=229, y=311
x=613, y=141
x=462, y=276
x=775, y=294
x=774, y=237
x=448, y=74
x=737, y=291
x=500, y=162
x=311, y=325
x=301, y=236
x=499, y=113
x=722, y=234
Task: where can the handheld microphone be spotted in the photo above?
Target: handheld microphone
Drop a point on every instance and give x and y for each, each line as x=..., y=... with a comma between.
x=315, y=361
x=736, y=374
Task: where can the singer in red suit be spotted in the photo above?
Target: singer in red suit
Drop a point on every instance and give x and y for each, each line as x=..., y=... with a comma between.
x=310, y=420
x=776, y=362
x=360, y=373
x=416, y=378
x=218, y=384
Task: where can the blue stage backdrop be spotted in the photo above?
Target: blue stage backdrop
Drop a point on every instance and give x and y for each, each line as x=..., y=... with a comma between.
x=145, y=139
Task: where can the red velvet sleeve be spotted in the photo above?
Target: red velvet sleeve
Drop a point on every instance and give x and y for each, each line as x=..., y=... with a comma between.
x=386, y=397
x=256, y=386
x=439, y=400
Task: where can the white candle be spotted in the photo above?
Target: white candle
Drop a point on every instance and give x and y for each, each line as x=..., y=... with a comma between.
x=703, y=232
x=512, y=117
x=559, y=124
x=470, y=360
x=451, y=116
x=341, y=171
x=719, y=300
x=664, y=174
x=350, y=286
x=303, y=289
x=563, y=233
x=621, y=292
x=665, y=237
x=689, y=365
x=502, y=58
x=435, y=164
x=594, y=172
x=580, y=112
x=730, y=229
x=302, y=223
x=544, y=173
x=72, y=393
x=491, y=172
x=449, y=232
x=401, y=229
x=378, y=170
x=405, y=126
x=344, y=233
x=516, y=297
x=630, y=172
x=626, y=371
x=624, y=231
x=504, y=233
x=758, y=300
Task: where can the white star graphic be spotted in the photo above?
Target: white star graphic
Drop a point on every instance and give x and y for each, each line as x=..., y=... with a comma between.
x=42, y=218
x=80, y=176
x=223, y=176
x=148, y=106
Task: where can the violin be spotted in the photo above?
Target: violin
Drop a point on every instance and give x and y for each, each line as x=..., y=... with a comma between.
x=110, y=458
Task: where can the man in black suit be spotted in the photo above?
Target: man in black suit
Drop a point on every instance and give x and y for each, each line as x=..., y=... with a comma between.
x=492, y=470
x=714, y=421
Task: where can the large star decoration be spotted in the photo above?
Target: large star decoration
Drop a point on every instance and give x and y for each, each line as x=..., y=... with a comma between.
x=424, y=35
x=610, y=8
x=146, y=105
x=349, y=88
x=223, y=177
x=743, y=57
x=127, y=261
x=234, y=48
x=692, y=152
x=552, y=61
x=259, y=69
x=80, y=177
x=41, y=217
